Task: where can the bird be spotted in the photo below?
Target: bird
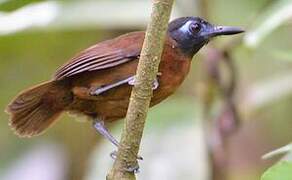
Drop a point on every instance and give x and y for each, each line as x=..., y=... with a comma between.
x=97, y=82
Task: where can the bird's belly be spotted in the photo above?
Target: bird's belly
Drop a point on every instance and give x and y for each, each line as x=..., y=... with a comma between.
x=113, y=105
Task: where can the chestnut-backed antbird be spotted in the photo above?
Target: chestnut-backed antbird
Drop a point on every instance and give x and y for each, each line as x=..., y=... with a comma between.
x=97, y=82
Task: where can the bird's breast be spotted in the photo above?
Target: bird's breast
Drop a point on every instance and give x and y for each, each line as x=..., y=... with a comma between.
x=174, y=67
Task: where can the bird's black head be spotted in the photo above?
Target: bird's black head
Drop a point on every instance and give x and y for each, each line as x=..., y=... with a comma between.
x=192, y=33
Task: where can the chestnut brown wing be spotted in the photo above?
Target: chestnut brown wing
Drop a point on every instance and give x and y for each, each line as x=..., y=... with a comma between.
x=104, y=55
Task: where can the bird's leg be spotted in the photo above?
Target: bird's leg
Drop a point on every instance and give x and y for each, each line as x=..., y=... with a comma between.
x=100, y=127
x=100, y=90
x=130, y=80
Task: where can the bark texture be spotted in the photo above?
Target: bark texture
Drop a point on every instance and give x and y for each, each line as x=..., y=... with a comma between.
x=142, y=91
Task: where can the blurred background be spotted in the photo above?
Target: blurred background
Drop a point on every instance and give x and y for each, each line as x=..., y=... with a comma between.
x=234, y=106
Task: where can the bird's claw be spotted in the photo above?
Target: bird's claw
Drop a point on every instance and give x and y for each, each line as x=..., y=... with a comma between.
x=114, y=154
x=134, y=169
x=139, y=158
x=132, y=81
x=155, y=83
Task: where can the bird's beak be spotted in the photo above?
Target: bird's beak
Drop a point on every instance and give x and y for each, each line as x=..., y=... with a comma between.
x=224, y=30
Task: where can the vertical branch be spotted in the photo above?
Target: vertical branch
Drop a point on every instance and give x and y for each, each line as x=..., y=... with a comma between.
x=142, y=91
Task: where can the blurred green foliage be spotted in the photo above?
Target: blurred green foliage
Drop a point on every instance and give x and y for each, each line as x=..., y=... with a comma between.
x=280, y=171
x=11, y=5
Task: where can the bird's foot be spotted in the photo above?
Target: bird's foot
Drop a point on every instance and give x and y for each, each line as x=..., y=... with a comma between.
x=114, y=155
x=133, y=169
x=100, y=127
x=155, y=83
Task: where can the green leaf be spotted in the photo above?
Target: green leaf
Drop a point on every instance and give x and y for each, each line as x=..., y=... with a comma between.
x=274, y=16
x=280, y=171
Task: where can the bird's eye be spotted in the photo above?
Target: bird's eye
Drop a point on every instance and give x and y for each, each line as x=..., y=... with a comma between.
x=195, y=27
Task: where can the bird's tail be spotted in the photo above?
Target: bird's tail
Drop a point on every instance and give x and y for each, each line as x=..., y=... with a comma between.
x=35, y=109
